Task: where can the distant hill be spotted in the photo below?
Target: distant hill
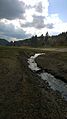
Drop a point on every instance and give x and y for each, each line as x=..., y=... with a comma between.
x=4, y=42
x=42, y=41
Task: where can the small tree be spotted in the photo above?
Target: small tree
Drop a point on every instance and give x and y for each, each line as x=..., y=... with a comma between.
x=42, y=37
x=46, y=37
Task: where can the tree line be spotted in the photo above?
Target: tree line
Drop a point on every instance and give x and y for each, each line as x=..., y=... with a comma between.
x=41, y=41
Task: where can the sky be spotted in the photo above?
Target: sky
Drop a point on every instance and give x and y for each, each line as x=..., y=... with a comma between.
x=21, y=19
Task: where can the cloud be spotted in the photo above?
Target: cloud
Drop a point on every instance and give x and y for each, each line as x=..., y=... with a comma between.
x=38, y=23
x=50, y=25
x=39, y=7
x=58, y=26
x=33, y=11
x=20, y=19
x=9, y=31
x=35, y=14
x=11, y=9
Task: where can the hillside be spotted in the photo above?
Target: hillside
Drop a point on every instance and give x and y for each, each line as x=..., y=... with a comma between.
x=4, y=42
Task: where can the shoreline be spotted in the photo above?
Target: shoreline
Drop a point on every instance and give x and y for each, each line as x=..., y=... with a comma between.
x=51, y=72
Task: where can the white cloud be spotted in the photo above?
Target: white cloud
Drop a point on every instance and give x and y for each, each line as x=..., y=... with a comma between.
x=29, y=18
x=59, y=25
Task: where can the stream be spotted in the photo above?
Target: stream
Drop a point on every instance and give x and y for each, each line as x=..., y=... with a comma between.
x=54, y=83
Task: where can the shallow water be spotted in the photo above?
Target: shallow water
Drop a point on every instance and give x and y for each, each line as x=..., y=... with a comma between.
x=32, y=63
x=55, y=84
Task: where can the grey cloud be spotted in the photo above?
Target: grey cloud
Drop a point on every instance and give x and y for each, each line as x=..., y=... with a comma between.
x=11, y=9
x=38, y=22
x=50, y=26
x=39, y=7
x=8, y=30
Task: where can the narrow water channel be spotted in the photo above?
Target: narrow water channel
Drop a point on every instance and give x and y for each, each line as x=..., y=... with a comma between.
x=55, y=84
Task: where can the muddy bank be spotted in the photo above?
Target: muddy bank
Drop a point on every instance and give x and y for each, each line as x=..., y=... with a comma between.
x=54, y=83
x=54, y=63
